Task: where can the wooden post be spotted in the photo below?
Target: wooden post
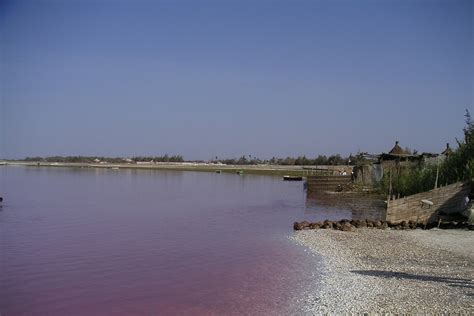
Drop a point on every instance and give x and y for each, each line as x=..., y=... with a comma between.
x=398, y=167
x=437, y=172
x=390, y=184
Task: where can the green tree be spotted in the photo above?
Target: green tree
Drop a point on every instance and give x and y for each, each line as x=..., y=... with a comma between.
x=460, y=164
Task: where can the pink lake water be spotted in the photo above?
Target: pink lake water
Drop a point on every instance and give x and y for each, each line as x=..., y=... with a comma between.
x=121, y=242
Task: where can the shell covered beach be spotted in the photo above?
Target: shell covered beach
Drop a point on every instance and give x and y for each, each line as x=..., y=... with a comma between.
x=391, y=271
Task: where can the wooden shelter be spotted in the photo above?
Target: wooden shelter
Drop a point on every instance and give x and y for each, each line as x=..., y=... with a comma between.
x=397, y=154
x=397, y=150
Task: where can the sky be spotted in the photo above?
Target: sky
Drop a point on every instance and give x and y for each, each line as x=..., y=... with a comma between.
x=227, y=78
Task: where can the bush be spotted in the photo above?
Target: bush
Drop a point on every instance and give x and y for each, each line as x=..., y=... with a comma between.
x=460, y=164
x=413, y=180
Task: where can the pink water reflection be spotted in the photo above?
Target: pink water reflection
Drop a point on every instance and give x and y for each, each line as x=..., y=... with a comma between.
x=146, y=242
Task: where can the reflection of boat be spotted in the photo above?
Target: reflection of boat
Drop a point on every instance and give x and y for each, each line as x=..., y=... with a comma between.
x=218, y=171
x=292, y=178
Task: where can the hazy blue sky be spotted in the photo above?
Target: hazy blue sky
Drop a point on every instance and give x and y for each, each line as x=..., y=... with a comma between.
x=225, y=78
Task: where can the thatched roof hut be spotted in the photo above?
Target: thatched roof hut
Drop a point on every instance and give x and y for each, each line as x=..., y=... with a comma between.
x=398, y=156
x=397, y=150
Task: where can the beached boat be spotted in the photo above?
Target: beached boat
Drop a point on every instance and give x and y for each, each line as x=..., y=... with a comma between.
x=292, y=178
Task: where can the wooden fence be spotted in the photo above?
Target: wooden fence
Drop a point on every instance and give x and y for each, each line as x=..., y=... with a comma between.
x=327, y=183
x=437, y=204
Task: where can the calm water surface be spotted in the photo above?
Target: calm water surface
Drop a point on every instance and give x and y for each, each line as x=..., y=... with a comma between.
x=91, y=241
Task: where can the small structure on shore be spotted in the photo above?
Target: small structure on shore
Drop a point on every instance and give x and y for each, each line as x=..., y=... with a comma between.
x=398, y=157
x=397, y=150
x=328, y=183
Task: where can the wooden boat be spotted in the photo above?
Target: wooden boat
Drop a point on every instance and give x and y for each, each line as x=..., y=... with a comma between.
x=240, y=172
x=218, y=171
x=292, y=178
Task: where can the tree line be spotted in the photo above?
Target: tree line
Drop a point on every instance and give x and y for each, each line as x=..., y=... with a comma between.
x=243, y=160
x=289, y=161
x=92, y=159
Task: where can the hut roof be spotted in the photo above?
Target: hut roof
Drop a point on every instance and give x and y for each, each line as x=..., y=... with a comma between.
x=397, y=150
x=447, y=151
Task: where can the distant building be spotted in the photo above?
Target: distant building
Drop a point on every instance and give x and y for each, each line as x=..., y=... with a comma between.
x=436, y=159
x=397, y=150
x=397, y=156
x=151, y=162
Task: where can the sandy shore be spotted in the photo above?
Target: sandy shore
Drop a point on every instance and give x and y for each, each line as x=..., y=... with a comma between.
x=388, y=271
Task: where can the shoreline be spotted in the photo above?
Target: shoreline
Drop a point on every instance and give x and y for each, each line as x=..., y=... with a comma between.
x=271, y=170
x=387, y=271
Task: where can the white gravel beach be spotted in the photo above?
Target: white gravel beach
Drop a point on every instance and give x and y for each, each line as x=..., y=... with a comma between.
x=391, y=271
